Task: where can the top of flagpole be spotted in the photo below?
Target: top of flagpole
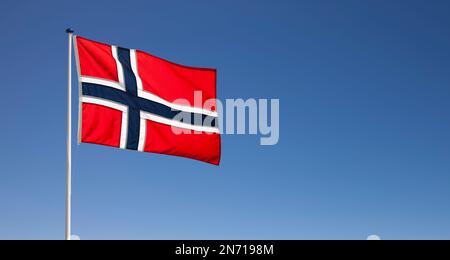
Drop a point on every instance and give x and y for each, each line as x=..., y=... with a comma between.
x=69, y=30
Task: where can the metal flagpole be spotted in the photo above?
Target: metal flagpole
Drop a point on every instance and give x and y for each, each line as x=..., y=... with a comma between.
x=69, y=139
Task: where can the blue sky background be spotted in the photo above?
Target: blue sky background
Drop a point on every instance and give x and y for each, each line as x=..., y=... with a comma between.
x=364, y=90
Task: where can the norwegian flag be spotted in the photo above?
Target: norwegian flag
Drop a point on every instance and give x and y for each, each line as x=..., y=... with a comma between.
x=133, y=100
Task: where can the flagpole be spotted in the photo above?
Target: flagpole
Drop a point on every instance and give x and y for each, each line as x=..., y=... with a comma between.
x=69, y=139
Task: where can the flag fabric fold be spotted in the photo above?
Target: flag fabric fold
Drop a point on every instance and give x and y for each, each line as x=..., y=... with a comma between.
x=132, y=100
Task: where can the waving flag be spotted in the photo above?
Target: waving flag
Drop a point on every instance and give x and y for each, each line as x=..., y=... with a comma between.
x=133, y=100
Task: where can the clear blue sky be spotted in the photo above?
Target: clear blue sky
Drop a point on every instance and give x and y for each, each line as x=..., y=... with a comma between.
x=364, y=89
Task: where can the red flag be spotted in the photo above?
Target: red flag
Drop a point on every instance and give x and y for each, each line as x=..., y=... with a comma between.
x=133, y=100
